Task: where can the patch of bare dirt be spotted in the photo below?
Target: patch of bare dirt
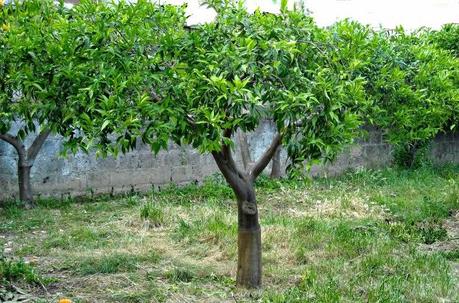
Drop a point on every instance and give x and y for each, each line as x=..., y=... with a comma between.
x=450, y=244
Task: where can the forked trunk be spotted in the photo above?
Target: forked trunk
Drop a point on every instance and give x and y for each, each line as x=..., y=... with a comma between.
x=249, y=233
x=25, y=162
x=249, y=241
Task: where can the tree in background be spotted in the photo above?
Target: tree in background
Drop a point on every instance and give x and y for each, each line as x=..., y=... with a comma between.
x=276, y=170
x=56, y=64
x=411, y=84
x=415, y=88
x=35, y=79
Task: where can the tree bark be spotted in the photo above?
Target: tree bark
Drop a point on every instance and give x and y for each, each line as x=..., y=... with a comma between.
x=249, y=233
x=249, y=268
x=25, y=162
x=25, y=187
x=276, y=166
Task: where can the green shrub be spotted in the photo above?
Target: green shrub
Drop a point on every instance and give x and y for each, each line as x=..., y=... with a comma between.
x=448, y=38
x=152, y=213
x=432, y=232
x=15, y=271
x=181, y=274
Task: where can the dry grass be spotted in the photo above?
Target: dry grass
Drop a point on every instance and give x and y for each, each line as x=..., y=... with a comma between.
x=333, y=240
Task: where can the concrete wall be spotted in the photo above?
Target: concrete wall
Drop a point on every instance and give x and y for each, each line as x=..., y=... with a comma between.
x=83, y=174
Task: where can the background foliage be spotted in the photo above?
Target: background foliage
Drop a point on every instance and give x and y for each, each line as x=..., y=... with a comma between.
x=105, y=75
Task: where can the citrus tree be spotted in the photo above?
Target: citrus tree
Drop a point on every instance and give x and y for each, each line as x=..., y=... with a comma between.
x=57, y=63
x=245, y=68
x=414, y=86
x=200, y=86
x=34, y=79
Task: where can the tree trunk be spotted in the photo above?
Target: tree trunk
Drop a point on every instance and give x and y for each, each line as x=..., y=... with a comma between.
x=25, y=162
x=276, y=168
x=245, y=152
x=25, y=187
x=249, y=232
x=249, y=258
x=249, y=267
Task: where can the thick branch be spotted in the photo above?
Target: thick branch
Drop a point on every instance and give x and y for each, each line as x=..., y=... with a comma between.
x=16, y=143
x=225, y=162
x=245, y=153
x=34, y=149
x=230, y=173
x=227, y=154
x=276, y=168
x=261, y=164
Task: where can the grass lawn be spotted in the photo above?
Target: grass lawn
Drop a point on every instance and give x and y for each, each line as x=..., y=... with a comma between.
x=368, y=236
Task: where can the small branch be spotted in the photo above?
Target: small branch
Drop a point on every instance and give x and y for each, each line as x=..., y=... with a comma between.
x=34, y=149
x=44, y=288
x=261, y=164
x=18, y=290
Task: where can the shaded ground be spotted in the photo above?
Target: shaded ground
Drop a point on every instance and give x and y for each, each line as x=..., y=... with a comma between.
x=369, y=236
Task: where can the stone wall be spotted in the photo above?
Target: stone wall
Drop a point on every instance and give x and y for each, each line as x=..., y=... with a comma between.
x=84, y=174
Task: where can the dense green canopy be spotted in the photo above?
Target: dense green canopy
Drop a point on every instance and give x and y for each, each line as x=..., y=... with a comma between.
x=414, y=86
x=447, y=38
x=128, y=53
x=106, y=75
x=244, y=68
x=35, y=71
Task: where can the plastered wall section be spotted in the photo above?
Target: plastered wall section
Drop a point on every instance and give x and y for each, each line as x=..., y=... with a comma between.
x=140, y=170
